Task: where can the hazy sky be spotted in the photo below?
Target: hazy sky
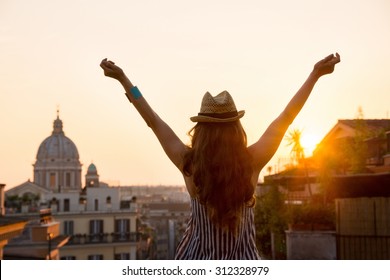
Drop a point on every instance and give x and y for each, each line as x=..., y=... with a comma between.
x=175, y=51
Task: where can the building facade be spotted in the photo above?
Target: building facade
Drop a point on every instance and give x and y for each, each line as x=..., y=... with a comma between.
x=98, y=225
x=101, y=221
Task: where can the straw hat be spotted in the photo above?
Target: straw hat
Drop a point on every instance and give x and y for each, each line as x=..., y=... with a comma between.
x=220, y=108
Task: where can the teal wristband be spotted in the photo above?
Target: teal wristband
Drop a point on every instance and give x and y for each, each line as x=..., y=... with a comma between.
x=135, y=92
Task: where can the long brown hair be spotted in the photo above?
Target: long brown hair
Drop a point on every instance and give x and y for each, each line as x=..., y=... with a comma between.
x=221, y=166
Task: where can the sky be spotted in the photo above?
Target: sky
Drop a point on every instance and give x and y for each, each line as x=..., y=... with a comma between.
x=175, y=51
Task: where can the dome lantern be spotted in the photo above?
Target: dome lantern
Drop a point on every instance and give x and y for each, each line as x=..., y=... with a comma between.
x=57, y=125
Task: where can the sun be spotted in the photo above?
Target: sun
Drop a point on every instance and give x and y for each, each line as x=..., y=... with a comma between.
x=309, y=142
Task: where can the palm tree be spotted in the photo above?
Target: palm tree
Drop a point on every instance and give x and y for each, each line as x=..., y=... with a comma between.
x=297, y=152
x=294, y=139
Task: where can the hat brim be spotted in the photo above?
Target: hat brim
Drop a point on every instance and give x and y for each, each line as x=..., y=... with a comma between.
x=199, y=118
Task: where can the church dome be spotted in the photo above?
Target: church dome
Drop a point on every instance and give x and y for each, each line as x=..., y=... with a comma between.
x=58, y=167
x=57, y=146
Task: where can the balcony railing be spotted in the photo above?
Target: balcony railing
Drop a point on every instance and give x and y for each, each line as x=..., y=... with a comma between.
x=124, y=237
x=78, y=239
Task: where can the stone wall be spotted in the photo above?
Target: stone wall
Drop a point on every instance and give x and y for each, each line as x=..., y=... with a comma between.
x=311, y=245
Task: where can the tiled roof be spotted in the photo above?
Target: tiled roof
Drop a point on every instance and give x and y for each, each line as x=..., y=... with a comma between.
x=372, y=124
x=4, y=221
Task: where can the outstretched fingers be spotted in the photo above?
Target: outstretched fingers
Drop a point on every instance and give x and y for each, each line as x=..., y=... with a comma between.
x=337, y=60
x=334, y=60
x=328, y=58
x=106, y=64
x=327, y=65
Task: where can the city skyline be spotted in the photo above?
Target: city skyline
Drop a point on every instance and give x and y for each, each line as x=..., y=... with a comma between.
x=174, y=52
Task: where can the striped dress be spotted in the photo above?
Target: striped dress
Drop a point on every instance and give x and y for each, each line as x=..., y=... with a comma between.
x=202, y=240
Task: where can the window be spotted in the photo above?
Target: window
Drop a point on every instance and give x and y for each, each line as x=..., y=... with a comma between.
x=96, y=230
x=68, y=258
x=95, y=226
x=95, y=257
x=52, y=180
x=122, y=229
x=54, y=203
x=68, y=227
x=67, y=179
x=96, y=204
x=108, y=200
x=66, y=205
x=122, y=256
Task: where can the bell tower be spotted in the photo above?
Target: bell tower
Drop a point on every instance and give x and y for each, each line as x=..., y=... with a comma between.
x=92, y=177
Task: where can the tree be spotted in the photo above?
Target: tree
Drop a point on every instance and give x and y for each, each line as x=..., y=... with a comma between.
x=294, y=139
x=270, y=221
x=14, y=202
x=298, y=155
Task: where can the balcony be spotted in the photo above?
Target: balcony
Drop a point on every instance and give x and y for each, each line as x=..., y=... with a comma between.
x=114, y=237
x=125, y=236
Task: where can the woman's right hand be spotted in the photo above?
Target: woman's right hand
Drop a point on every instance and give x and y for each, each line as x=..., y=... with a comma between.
x=326, y=65
x=111, y=70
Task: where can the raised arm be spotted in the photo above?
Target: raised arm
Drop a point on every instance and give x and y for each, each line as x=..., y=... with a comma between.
x=264, y=149
x=172, y=145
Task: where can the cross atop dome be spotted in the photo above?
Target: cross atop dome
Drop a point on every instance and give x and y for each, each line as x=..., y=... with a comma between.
x=57, y=125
